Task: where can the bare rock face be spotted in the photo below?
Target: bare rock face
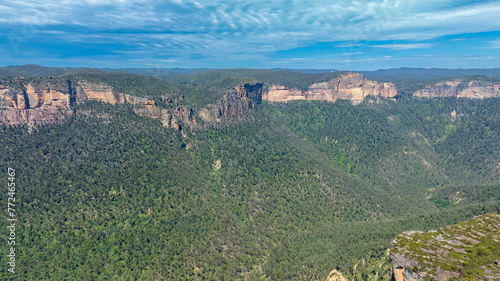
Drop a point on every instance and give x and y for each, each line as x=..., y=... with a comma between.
x=468, y=250
x=473, y=89
x=98, y=91
x=349, y=86
x=50, y=100
x=102, y=92
x=238, y=101
x=36, y=102
x=176, y=118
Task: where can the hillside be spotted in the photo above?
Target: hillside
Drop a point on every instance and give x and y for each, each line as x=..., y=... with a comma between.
x=467, y=251
x=146, y=179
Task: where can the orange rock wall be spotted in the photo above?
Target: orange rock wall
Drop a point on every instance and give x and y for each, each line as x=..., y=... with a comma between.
x=349, y=86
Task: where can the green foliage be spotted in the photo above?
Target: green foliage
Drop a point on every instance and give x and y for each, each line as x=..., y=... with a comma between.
x=311, y=255
x=470, y=246
x=290, y=191
x=128, y=83
x=284, y=77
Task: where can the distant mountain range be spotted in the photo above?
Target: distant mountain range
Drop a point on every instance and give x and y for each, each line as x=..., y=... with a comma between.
x=393, y=74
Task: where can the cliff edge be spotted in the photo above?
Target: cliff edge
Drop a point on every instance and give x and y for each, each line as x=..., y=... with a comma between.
x=466, y=251
x=348, y=86
x=459, y=88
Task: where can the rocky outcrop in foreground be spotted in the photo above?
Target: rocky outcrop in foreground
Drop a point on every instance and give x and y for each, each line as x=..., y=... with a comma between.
x=466, y=251
x=474, y=89
x=349, y=86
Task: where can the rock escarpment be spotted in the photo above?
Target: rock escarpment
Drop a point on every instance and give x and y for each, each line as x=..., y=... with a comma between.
x=474, y=89
x=238, y=101
x=98, y=91
x=469, y=250
x=37, y=102
x=51, y=100
x=177, y=118
x=349, y=86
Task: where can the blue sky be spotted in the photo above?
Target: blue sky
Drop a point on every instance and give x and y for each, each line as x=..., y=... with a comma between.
x=345, y=35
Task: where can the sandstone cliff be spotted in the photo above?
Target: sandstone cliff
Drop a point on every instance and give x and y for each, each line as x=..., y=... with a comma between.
x=459, y=88
x=50, y=100
x=176, y=118
x=469, y=250
x=348, y=86
x=37, y=102
x=238, y=101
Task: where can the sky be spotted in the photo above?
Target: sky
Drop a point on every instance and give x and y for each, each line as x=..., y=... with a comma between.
x=342, y=35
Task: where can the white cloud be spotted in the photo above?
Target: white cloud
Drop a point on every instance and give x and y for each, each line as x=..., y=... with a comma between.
x=231, y=29
x=495, y=44
x=404, y=46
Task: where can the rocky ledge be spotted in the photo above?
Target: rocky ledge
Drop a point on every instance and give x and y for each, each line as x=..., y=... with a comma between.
x=38, y=102
x=474, y=89
x=237, y=101
x=348, y=86
x=466, y=251
x=52, y=99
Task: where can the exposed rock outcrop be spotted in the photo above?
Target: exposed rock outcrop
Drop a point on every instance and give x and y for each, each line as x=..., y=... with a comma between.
x=37, y=102
x=348, y=86
x=98, y=91
x=102, y=92
x=238, y=101
x=336, y=275
x=474, y=89
x=467, y=250
x=171, y=118
x=49, y=100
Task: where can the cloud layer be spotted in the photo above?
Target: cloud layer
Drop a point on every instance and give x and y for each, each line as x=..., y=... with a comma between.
x=224, y=33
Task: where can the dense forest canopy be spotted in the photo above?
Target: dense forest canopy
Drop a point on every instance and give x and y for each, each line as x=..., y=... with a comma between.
x=286, y=191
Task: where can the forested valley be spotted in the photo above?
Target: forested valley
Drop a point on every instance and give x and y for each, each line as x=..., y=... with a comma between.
x=286, y=191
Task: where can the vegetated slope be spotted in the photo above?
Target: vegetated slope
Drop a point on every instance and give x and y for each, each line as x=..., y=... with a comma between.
x=466, y=251
x=114, y=195
x=285, y=77
x=128, y=83
x=33, y=70
x=164, y=73
x=404, y=147
x=351, y=248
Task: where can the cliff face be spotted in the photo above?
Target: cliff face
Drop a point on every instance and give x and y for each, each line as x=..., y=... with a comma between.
x=238, y=101
x=98, y=91
x=37, y=102
x=50, y=100
x=102, y=92
x=468, y=250
x=177, y=118
x=473, y=89
x=349, y=86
